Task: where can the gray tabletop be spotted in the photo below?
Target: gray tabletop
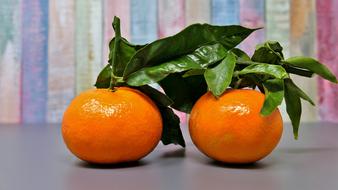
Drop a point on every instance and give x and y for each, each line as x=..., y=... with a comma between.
x=33, y=157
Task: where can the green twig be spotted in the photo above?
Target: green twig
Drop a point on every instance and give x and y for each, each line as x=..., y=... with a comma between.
x=242, y=62
x=238, y=83
x=116, y=26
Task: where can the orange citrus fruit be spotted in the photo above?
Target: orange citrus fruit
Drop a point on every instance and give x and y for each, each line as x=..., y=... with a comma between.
x=104, y=126
x=230, y=128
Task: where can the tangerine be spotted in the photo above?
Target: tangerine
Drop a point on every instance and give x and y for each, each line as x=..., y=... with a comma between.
x=231, y=129
x=106, y=127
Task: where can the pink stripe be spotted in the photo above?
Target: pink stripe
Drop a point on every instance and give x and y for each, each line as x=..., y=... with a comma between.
x=61, y=58
x=10, y=62
x=34, y=61
x=252, y=16
x=327, y=29
x=171, y=17
x=120, y=8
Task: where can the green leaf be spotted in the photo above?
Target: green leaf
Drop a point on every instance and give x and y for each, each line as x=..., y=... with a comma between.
x=268, y=52
x=274, y=94
x=200, y=58
x=158, y=97
x=312, y=65
x=298, y=71
x=150, y=75
x=275, y=71
x=171, y=127
x=115, y=64
x=183, y=91
x=125, y=52
x=241, y=55
x=206, y=55
x=103, y=80
x=275, y=47
x=185, y=42
x=263, y=54
x=293, y=106
x=299, y=91
x=219, y=77
x=194, y=72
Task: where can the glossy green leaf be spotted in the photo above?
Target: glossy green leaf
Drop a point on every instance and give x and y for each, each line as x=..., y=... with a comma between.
x=183, y=91
x=274, y=94
x=268, y=52
x=194, y=72
x=205, y=55
x=219, y=77
x=293, y=106
x=185, y=42
x=158, y=97
x=298, y=71
x=125, y=52
x=171, y=133
x=275, y=71
x=115, y=62
x=103, y=80
x=265, y=55
x=241, y=55
x=150, y=75
x=312, y=65
x=275, y=47
x=200, y=58
x=299, y=91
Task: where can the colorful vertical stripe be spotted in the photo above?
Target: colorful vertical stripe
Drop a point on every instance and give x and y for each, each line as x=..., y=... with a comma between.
x=34, y=60
x=10, y=57
x=143, y=21
x=278, y=22
x=88, y=46
x=171, y=17
x=197, y=11
x=61, y=69
x=302, y=42
x=252, y=15
x=225, y=12
x=327, y=27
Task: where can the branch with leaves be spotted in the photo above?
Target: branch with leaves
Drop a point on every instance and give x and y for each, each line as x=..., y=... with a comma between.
x=203, y=58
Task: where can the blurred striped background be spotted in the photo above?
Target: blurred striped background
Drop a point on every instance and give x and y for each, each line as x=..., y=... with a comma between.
x=50, y=50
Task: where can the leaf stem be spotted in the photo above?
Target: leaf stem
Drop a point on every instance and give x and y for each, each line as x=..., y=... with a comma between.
x=243, y=62
x=238, y=83
x=116, y=26
x=297, y=71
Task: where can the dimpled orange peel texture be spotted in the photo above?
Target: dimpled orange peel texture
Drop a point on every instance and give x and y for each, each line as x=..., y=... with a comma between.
x=104, y=126
x=231, y=129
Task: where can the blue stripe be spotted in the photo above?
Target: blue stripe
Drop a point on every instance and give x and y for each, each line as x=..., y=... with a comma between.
x=34, y=60
x=225, y=12
x=143, y=21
